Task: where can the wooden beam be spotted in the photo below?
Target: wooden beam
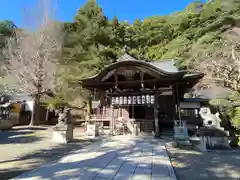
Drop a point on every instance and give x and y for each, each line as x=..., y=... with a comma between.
x=178, y=102
x=142, y=79
x=157, y=131
x=115, y=80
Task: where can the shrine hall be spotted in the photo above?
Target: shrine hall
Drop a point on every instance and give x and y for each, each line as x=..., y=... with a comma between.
x=146, y=92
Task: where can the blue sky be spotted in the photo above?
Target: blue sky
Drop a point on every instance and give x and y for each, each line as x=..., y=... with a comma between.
x=124, y=9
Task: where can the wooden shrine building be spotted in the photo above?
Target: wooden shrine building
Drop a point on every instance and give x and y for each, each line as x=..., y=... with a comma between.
x=148, y=92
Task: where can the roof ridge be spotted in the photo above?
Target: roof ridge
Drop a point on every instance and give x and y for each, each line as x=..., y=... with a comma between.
x=163, y=60
x=131, y=57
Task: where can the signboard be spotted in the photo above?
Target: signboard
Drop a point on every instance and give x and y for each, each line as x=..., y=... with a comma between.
x=133, y=100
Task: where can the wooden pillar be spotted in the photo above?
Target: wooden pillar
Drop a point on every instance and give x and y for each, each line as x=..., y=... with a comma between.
x=116, y=80
x=111, y=121
x=142, y=79
x=89, y=108
x=133, y=112
x=178, y=103
x=157, y=131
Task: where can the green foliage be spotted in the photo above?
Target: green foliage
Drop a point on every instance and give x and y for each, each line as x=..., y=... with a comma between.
x=93, y=41
x=55, y=102
x=236, y=117
x=232, y=108
x=7, y=29
x=235, y=111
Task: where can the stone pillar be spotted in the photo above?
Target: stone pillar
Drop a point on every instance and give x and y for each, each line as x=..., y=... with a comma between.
x=180, y=130
x=157, y=132
x=111, y=122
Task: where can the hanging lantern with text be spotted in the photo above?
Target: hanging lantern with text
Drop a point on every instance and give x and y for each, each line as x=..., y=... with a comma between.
x=129, y=100
x=152, y=99
x=133, y=100
x=117, y=100
x=139, y=100
x=125, y=100
x=143, y=99
x=120, y=100
x=113, y=100
x=148, y=99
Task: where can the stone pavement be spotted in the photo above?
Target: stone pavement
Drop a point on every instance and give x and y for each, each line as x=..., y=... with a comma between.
x=117, y=158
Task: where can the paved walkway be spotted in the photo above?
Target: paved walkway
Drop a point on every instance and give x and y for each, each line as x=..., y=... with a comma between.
x=118, y=158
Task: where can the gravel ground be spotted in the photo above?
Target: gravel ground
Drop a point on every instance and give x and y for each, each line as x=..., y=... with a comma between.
x=25, y=148
x=214, y=165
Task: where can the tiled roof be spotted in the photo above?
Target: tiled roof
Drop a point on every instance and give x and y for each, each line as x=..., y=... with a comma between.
x=126, y=57
x=166, y=65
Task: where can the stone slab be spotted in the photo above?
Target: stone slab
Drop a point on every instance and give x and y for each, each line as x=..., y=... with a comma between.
x=101, y=178
x=104, y=161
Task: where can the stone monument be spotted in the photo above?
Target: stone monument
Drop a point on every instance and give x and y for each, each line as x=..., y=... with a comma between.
x=63, y=131
x=92, y=130
x=212, y=135
x=180, y=130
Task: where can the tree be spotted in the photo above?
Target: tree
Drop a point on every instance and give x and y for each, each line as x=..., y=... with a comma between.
x=7, y=29
x=31, y=57
x=222, y=68
x=88, y=46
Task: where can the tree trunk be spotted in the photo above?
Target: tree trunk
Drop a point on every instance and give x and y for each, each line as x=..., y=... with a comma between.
x=35, y=112
x=47, y=116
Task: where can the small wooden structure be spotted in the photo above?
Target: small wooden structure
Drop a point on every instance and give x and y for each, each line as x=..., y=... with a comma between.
x=149, y=92
x=8, y=118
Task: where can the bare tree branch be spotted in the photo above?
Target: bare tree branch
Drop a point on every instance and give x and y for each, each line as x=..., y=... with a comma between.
x=31, y=56
x=222, y=68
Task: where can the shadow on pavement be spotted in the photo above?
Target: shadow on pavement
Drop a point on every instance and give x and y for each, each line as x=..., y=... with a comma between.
x=216, y=165
x=106, y=162
x=38, y=158
x=18, y=137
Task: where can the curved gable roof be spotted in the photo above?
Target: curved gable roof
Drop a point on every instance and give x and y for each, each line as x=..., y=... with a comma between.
x=162, y=68
x=165, y=68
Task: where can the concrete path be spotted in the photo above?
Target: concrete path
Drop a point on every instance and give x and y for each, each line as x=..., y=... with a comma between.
x=117, y=158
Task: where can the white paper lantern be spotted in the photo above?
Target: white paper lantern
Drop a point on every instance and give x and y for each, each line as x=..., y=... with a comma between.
x=152, y=99
x=117, y=100
x=120, y=100
x=139, y=100
x=143, y=99
x=134, y=100
x=125, y=100
x=113, y=100
x=148, y=99
x=129, y=100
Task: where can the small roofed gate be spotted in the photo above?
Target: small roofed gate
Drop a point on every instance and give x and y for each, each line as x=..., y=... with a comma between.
x=131, y=90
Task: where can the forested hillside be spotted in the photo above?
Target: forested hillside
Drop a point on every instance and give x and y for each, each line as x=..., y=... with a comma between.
x=201, y=34
x=93, y=40
x=204, y=36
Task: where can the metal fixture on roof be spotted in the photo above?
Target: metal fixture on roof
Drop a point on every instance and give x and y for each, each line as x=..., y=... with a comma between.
x=126, y=48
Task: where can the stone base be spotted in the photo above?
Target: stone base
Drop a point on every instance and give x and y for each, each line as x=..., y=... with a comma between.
x=6, y=124
x=213, y=143
x=136, y=129
x=14, y=117
x=183, y=142
x=63, y=134
x=181, y=133
x=92, y=130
